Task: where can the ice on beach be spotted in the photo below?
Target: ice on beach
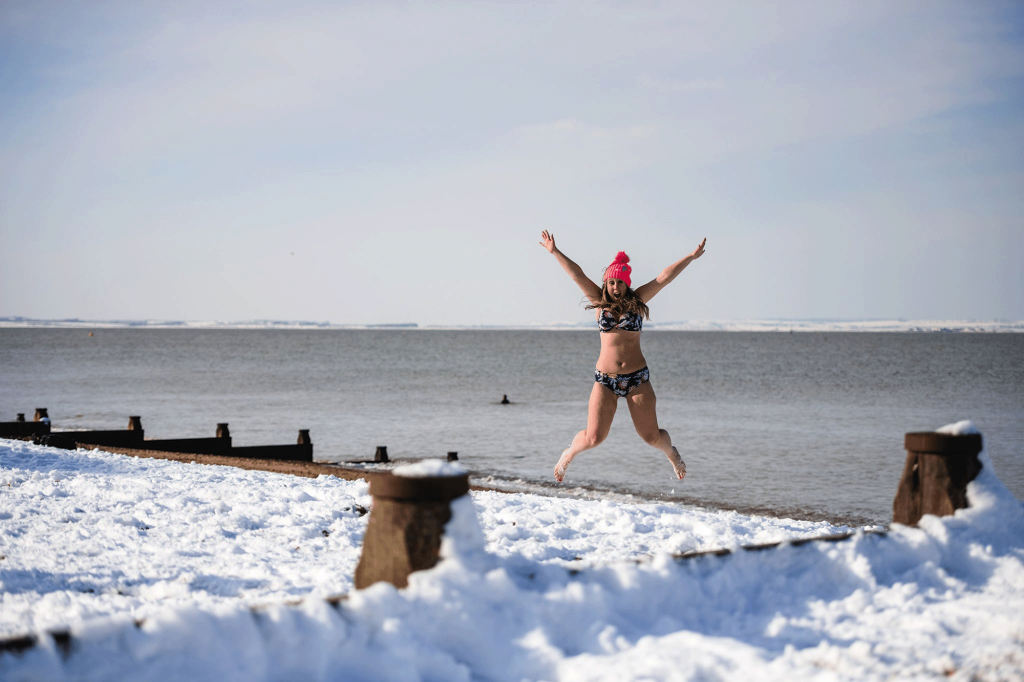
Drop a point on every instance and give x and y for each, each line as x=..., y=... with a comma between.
x=428, y=468
x=211, y=560
x=961, y=428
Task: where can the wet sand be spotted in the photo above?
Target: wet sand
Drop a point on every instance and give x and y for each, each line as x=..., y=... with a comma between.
x=279, y=466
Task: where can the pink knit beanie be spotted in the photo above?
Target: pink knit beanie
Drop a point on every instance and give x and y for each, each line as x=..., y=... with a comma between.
x=619, y=269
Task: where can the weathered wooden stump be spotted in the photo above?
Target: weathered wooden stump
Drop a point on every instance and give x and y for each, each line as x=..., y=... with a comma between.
x=135, y=423
x=453, y=457
x=40, y=414
x=935, y=475
x=304, y=438
x=405, y=527
x=223, y=431
x=20, y=418
x=382, y=454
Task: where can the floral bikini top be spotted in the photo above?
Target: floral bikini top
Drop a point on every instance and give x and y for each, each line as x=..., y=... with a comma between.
x=630, y=322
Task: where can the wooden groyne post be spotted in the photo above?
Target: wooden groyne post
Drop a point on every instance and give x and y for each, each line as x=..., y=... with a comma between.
x=405, y=527
x=131, y=437
x=935, y=475
x=19, y=428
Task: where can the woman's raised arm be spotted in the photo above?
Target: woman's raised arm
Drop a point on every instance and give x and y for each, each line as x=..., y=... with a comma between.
x=647, y=291
x=590, y=290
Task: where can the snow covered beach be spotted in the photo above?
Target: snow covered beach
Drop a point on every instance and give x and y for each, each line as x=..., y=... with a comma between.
x=93, y=542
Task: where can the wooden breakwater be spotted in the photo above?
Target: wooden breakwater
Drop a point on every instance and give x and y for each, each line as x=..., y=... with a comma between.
x=40, y=431
x=19, y=428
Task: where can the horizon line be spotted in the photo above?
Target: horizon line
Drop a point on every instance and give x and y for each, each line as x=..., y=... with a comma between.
x=733, y=325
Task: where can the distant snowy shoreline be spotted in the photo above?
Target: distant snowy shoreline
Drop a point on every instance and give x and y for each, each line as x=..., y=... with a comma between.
x=948, y=326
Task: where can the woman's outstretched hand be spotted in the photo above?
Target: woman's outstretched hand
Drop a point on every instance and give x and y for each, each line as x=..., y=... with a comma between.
x=547, y=240
x=698, y=252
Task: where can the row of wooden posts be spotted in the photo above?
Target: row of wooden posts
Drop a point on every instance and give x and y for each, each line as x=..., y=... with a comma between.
x=39, y=429
x=133, y=438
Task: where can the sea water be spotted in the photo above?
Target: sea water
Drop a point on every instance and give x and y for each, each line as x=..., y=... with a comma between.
x=808, y=424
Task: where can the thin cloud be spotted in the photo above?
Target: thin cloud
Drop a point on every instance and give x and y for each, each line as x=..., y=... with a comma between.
x=670, y=85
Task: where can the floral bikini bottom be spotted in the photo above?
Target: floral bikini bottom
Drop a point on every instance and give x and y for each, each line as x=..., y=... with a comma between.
x=622, y=384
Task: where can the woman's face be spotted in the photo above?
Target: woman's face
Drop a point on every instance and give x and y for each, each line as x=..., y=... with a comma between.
x=616, y=288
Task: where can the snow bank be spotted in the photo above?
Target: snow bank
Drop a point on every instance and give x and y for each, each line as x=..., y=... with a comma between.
x=940, y=600
x=86, y=534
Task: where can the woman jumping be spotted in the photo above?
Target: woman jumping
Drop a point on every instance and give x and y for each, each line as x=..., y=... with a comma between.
x=621, y=369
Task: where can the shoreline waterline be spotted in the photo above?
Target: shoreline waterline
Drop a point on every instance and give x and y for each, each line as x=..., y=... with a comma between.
x=482, y=481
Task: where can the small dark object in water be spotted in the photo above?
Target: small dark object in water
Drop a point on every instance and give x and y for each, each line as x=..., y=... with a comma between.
x=505, y=400
x=453, y=457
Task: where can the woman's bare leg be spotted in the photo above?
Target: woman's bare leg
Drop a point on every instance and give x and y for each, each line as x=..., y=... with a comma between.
x=600, y=413
x=642, y=403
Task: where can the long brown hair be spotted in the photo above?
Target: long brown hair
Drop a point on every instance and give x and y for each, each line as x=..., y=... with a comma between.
x=628, y=303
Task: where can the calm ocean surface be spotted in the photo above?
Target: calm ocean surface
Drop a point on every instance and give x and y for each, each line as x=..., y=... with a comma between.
x=805, y=424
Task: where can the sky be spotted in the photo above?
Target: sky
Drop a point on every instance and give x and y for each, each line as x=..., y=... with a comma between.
x=395, y=162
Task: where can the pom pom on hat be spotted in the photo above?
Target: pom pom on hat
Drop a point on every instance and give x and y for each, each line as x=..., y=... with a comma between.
x=619, y=269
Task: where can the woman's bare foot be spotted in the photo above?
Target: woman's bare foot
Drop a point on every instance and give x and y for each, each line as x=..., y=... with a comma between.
x=677, y=463
x=563, y=464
